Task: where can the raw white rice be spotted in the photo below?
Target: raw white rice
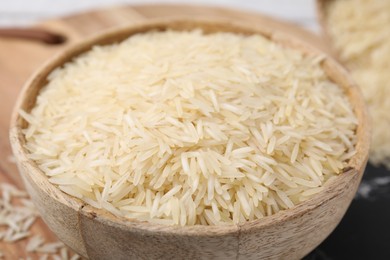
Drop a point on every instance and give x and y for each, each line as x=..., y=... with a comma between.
x=186, y=128
x=17, y=215
x=15, y=218
x=49, y=250
x=359, y=31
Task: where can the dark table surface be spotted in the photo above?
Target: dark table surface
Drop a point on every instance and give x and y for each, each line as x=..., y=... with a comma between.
x=364, y=232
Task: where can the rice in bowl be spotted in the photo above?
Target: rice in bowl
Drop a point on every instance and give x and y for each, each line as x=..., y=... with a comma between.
x=190, y=128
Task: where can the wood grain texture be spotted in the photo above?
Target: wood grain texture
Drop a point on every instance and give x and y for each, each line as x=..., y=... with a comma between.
x=97, y=234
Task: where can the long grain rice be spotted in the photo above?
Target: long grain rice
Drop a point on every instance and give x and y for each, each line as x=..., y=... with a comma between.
x=359, y=30
x=17, y=216
x=186, y=128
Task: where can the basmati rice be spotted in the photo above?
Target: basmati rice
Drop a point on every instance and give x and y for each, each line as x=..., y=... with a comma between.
x=359, y=30
x=189, y=128
x=17, y=216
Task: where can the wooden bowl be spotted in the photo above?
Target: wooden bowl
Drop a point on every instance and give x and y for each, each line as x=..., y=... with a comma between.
x=97, y=234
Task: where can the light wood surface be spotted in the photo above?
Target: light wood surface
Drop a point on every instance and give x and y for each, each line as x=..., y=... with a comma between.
x=98, y=235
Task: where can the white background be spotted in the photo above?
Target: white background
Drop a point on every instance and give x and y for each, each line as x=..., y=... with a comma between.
x=25, y=12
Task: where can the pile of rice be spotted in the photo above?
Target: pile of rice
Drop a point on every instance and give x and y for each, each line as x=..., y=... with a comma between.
x=17, y=218
x=186, y=128
x=359, y=30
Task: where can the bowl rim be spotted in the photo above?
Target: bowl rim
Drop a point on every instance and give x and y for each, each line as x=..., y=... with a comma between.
x=335, y=71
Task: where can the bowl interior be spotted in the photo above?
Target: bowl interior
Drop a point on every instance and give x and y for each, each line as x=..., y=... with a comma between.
x=335, y=72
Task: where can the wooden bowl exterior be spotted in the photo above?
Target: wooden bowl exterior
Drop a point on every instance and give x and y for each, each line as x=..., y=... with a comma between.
x=97, y=234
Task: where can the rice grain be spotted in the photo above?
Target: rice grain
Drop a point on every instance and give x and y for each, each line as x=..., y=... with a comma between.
x=359, y=30
x=189, y=128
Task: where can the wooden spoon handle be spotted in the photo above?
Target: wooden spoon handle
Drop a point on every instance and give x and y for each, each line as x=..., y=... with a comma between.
x=40, y=35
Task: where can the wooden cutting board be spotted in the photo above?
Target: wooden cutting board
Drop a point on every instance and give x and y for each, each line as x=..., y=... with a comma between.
x=19, y=58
